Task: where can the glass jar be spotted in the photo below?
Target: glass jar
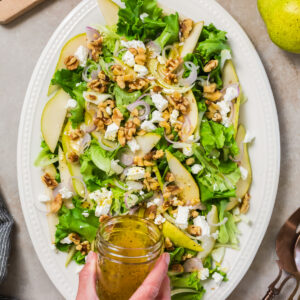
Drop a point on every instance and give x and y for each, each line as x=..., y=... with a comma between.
x=128, y=247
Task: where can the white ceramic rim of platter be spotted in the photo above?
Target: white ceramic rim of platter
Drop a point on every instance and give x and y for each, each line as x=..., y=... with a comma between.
x=267, y=140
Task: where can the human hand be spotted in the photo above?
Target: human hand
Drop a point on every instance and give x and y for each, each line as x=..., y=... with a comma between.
x=155, y=287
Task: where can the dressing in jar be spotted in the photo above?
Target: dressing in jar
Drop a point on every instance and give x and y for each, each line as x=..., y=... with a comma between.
x=128, y=248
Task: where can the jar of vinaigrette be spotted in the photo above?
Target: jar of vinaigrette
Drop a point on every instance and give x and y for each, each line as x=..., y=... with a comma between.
x=128, y=248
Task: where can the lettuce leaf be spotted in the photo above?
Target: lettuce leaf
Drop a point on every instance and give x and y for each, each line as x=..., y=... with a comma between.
x=133, y=27
x=187, y=280
x=45, y=157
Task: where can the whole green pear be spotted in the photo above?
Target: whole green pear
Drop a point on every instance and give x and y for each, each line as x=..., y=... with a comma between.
x=282, y=18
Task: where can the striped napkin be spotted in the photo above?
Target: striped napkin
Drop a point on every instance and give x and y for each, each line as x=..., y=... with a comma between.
x=6, y=223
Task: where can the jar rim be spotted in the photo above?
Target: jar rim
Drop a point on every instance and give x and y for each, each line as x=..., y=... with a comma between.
x=112, y=246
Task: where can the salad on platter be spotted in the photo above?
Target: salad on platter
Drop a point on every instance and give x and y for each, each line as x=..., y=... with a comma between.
x=143, y=119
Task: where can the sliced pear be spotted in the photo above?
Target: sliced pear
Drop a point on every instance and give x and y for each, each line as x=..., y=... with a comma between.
x=183, y=179
x=178, y=237
x=50, y=169
x=109, y=11
x=68, y=49
x=229, y=76
x=191, y=42
x=70, y=146
x=53, y=117
x=191, y=117
x=146, y=143
x=242, y=186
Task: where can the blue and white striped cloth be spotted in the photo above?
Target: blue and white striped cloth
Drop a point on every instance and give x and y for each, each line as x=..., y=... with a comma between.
x=6, y=224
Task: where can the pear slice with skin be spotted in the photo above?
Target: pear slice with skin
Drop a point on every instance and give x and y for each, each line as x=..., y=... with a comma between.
x=229, y=76
x=109, y=10
x=191, y=42
x=146, y=143
x=53, y=117
x=184, y=180
x=70, y=146
x=68, y=49
x=178, y=237
x=242, y=186
x=191, y=117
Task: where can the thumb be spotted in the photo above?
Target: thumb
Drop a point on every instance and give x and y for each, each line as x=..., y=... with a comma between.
x=88, y=279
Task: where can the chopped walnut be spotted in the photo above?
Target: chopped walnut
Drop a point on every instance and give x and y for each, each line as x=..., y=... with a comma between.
x=56, y=203
x=170, y=177
x=179, y=102
x=165, y=125
x=166, y=115
x=138, y=84
x=49, y=181
x=117, y=116
x=217, y=95
x=151, y=184
x=177, y=268
x=96, y=48
x=103, y=218
x=171, y=190
x=194, y=230
x=194, y=214
x=121, y=136
x=76, y=134
x=71, y=62
x=166, y=205
x=245, y=204
x=187, y=256
x=168, y=244
x=103, y=118
x=150, y=212
x=157, y=89
x=211, y=65
x=141, y=132
x=73, y=157
x=186, y=27
x=140, y=57
x=154, y=155
x=75, y=238
x=190, y=161
x=99, y=85
x=210, y=88
x=215, y=116
x=84, y=247
x=120, y=77
x=134, y=113
x=171, y=66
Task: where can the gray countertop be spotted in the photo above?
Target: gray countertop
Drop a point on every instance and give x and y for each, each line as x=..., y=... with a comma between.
x=21, y=44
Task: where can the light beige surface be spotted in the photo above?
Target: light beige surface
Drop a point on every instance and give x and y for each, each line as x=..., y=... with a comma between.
x=20, y=46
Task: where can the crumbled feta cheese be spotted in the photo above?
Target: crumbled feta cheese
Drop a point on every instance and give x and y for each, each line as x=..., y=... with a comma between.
x=203, y=274
x=249, y=137
x=182, y=217
x=231, y=93
x=215, y=235
x=202, y=223
x=133, y=44
x=85, y=214
x=66, y=240
x=44, y=198
x=173, y=116
x=224, y=108
x=128, y=58
x=157, y=117
x=159, y=101
x=102, y=210
x=161, y=60
x=244, y=173
x=148, y=126
x=111, y=132
x=155, y=201
x=108, y=110
x=71, y=104
x=135, y=173
x=82, y=55
x=103, y=198
x=159, y=219
x=218, y=278
x=65, y=193
x=187, y=150
x=133, y=145
x=225, y=54
x=143, y=16
x=239, y=200
x=141, y=70
x=141, y=193
x=78, y=84
x=196, y=168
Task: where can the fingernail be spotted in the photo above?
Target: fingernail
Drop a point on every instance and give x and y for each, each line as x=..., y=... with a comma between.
x=167, y=258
